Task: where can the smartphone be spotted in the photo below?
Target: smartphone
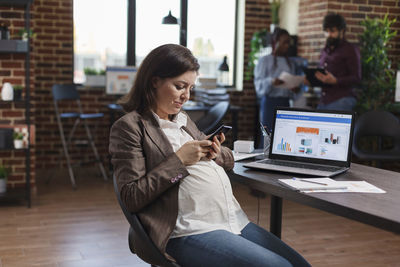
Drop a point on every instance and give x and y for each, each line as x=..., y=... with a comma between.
x=222, y=129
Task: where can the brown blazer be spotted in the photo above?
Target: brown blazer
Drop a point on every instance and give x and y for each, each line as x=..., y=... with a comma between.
x=148, y=171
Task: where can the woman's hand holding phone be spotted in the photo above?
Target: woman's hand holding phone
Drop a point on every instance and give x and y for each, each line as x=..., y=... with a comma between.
x=192, y=151
x=217, y=138
x=216, y=146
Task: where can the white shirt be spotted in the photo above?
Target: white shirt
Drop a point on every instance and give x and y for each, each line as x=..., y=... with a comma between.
x=265, y=73
x=205, y=199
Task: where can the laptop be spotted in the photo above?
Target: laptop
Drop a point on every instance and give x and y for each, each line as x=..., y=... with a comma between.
x=316, y=143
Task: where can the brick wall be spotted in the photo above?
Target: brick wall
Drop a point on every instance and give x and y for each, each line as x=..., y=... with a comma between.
x=54, y=64
x=311, y=38
x=12, y=114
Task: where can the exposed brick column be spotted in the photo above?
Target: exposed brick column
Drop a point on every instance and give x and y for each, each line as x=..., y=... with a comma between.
x=311, y=37
x=257, y=17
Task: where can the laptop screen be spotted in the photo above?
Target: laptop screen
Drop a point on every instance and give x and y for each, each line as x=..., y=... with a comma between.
x=315, y=135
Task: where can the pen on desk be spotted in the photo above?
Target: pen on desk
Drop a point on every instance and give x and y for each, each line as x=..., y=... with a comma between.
x=307, y=181
x=264, y=132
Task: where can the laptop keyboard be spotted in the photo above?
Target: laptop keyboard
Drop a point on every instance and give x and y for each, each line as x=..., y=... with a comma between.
x=300, y=165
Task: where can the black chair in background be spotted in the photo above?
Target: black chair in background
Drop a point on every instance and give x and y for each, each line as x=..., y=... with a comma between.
x=139, y=241
x=213, y=117
x=380, y=126
x=69, y=92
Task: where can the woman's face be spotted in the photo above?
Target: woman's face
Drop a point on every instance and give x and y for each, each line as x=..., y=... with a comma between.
x=172, y=93
x=282, y=45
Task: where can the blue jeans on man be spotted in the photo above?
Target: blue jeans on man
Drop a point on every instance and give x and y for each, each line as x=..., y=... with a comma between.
x=254, y=247
x=345, y=103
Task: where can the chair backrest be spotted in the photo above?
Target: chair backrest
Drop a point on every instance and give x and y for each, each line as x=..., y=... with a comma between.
x=65, y=92
x=377, y=124
x=213, y=117
x=139, y=241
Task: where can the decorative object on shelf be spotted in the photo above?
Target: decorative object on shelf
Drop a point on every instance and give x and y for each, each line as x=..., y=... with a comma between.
x=223, y=73
x=4, y=32
x=94, y=77
x=18, y=92
x=7, y=92
x=378, y=77
x=18, y=139
x=23, y=33
x=3, y=178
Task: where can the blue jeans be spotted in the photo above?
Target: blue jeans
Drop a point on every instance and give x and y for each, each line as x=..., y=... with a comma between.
x=344, y=103
x=253, y=247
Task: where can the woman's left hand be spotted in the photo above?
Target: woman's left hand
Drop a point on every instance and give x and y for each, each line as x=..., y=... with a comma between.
x=216, y=146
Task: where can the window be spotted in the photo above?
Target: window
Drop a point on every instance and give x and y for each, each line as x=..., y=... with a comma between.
x=100, y=38
x=150, y=33
x=211, y=33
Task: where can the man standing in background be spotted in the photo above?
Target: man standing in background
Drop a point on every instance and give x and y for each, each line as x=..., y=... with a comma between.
x=341, y=61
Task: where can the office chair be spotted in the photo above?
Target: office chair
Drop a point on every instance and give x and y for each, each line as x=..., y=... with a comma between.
x=138, y=240
x=378, y=124
x=213, y=117
x=68, y=92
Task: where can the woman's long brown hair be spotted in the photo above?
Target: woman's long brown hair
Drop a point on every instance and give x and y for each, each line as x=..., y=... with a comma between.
x=166, y=61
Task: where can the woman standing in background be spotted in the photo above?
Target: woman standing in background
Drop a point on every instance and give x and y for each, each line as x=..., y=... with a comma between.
x=266, y=80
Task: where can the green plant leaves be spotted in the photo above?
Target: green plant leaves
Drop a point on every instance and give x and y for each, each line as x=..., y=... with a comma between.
x=258, y=42
x=378, y=79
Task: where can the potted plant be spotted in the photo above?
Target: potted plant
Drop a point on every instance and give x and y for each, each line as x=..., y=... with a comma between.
x=378, y=77
x=260, y=40
x=3, y=179
x=23, y=33
x=94, y=77
x=17, y=92
x=18, y=140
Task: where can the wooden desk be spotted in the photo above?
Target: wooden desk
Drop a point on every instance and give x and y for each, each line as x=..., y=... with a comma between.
x=379, y=210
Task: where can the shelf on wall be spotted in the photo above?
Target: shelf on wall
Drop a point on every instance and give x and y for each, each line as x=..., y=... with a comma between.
x=15, y=149
x=13, y=46
x=13, y=194
x=15, y=2
x=22, y=100
x=19, y=46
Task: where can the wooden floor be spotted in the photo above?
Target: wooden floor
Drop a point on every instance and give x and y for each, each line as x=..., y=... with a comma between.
x=86, y=228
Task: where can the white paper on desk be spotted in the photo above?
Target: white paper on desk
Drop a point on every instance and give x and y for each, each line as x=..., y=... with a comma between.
x=290, y=81
x=240, y=156
x=352, y=187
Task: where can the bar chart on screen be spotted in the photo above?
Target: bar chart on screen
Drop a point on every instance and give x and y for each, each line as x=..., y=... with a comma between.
x=284, y=146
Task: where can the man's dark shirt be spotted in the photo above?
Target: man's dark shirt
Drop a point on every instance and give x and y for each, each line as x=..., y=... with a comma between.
x=344, y=63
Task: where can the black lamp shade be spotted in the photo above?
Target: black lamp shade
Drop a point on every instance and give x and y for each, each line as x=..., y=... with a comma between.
x=224, y=65
x=169, y=19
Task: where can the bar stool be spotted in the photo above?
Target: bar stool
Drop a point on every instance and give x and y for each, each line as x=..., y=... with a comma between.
x=69, y=92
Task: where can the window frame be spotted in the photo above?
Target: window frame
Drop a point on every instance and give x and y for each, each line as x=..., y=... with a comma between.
x=238, y=37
